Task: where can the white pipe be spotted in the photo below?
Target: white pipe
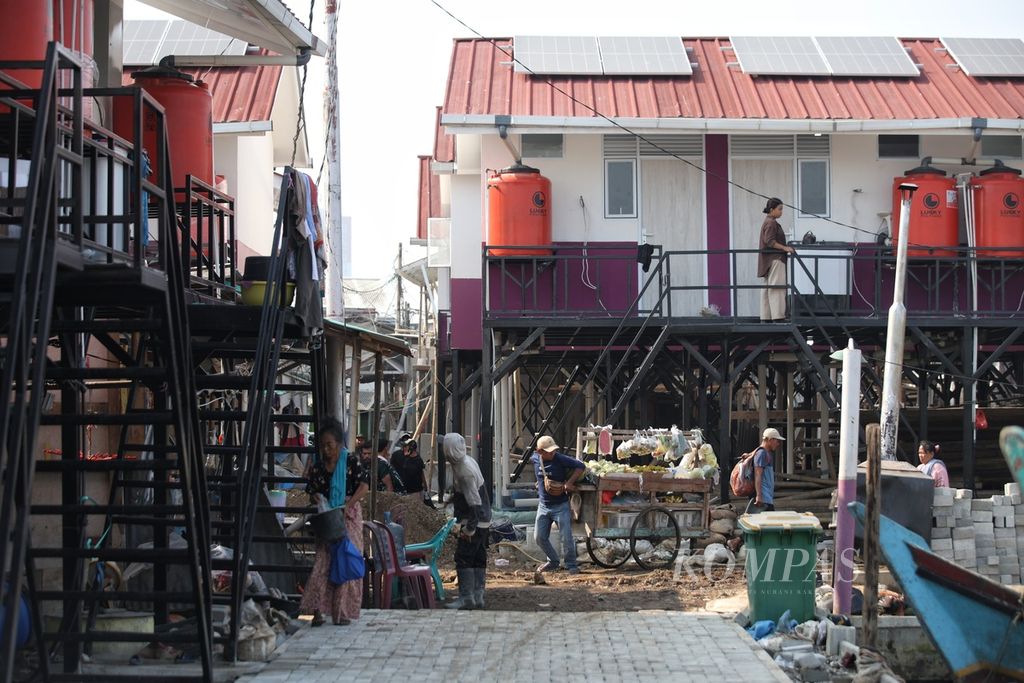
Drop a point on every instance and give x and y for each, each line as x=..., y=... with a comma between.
x=894, y=333
x=846, y=489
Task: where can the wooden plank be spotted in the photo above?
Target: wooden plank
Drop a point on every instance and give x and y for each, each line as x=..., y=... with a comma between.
x=873, y=438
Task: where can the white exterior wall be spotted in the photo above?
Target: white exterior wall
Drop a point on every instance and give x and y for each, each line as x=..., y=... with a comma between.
x=855, y=165
x=247, y=163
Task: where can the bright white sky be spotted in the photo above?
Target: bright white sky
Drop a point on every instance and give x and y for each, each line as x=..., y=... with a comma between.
x=394, y=60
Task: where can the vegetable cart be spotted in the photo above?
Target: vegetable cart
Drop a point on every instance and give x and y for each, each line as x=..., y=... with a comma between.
x=615, y=531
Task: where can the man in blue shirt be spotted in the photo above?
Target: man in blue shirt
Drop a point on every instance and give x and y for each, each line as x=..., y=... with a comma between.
x=556, y=478
x=764, y=469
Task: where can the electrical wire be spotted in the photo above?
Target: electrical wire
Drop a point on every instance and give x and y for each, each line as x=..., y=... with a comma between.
x=300, y=126
x=874, y=234
x=625, y=129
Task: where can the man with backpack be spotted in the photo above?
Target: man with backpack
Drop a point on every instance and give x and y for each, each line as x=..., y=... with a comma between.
x=764, y=471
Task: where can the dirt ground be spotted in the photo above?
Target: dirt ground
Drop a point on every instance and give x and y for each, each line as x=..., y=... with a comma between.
x=594, y=589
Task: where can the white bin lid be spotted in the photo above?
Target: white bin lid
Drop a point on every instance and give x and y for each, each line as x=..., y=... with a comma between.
x=780, y=521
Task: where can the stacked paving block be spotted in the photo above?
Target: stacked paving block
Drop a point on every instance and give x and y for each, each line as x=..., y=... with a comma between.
x=944, y=523
x=1013, y=492
x=983, y=534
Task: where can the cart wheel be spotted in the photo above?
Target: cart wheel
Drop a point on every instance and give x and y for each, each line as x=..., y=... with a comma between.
x=658, y=526
x=607, y=554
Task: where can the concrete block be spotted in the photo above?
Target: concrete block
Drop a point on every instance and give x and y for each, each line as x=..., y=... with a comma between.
x=964, y=494
x=942, y=543
x=942, y=533
x=1006, y=533
x=1018, y=519
x=964, y=521
x=1015, y=499
x=992, y=561
x=1011, y=489
x=981, y=505
x=1005, y=579
x=983, y=516
x=998, y=500
x=962, y=544
x=961, y=533
x=945, y=502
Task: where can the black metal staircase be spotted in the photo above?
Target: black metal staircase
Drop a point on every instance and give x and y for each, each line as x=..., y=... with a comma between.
x=243, y=355
x=116, y=380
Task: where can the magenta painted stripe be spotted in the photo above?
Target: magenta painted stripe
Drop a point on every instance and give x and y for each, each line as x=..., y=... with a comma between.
x=467, y=313
x=716, y=202
x=843, y=568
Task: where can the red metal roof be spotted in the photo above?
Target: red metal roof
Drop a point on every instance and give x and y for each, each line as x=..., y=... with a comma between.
x=239, y=93
x=444, y=144
x=429, y=197
x=481, y=81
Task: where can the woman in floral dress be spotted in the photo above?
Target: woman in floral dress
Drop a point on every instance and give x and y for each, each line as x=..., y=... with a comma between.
x=321, y=596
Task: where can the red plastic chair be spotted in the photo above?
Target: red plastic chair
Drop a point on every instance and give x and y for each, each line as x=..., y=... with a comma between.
x=386, y=569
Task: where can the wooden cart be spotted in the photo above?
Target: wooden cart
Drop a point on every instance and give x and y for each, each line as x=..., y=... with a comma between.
x=655, y=519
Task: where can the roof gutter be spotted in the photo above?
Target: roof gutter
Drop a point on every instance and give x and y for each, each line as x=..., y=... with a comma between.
x=485, y=123
x=185, y=61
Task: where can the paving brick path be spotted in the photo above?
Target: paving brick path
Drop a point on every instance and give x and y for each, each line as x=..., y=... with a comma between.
x=426, y=646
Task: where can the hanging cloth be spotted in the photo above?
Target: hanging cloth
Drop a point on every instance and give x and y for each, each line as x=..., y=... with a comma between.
x=337, y=495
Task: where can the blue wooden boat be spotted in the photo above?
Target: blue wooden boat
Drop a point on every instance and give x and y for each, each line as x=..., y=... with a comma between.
x=976, y=624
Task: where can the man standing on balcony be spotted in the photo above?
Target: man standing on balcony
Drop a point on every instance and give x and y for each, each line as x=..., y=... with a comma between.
x=771, y=263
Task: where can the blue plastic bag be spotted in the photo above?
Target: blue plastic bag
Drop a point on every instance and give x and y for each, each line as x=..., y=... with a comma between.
x=347, y=563
x=761, y=629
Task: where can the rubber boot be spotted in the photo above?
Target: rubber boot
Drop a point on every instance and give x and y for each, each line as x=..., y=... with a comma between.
x=478, y=591
x=467, y=583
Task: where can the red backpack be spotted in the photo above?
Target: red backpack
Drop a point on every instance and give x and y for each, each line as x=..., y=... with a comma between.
x=741, y=481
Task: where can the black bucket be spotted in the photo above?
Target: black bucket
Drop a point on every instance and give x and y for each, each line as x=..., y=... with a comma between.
x=329, y=526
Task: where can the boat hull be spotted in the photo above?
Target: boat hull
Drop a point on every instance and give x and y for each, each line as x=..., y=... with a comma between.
x=970, y=619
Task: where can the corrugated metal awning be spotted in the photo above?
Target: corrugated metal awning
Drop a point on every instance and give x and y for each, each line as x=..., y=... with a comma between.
x=370, y=340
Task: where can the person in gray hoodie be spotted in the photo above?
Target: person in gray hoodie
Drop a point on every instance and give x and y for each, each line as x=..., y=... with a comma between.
x=473, y=520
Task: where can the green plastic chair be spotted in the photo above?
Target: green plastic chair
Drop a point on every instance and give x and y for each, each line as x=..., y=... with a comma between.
x=428, y=551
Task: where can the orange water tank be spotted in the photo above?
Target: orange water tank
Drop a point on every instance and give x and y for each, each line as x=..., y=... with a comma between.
x=998, y=214
x=933, y=212
x=188, y=107
x=519, y=213
x=24, y=32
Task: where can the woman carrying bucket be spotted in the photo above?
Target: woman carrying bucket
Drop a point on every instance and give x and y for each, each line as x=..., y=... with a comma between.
x=331, y=486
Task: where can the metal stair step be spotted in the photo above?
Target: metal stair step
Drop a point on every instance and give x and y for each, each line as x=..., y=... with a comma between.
x=133, y=418
x=60, y=374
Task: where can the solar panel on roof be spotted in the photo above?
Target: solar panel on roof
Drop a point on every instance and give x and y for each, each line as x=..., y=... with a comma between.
x=635, y=55
x=866, y=56
x=779, y=56
x=142, y=39
x=557, y=55
x=184, y=38
x=147, y=41
x=987, y=56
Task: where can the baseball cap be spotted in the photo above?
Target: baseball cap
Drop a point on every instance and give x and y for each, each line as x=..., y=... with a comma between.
x=772, y=433
x=546, y=443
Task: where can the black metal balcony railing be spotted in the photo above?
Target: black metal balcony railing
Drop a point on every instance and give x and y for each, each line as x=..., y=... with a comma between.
x=856, y=280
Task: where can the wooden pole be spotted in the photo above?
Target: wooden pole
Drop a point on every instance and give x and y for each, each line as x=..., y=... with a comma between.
x=353, y=397
x=873, y=502
x=374, y=436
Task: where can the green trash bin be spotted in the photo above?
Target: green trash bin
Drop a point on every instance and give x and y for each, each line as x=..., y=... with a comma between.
x=780, y=564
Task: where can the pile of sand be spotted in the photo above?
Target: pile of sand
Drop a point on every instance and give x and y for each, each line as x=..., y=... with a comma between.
x=420, y=521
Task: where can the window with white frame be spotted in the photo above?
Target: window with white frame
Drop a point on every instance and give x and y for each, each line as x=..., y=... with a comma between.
x=620, y=188
x=813, y=198
x=811, y=155
x=542, y=145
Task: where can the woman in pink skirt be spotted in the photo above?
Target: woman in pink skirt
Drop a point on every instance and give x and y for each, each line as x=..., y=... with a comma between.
x=321, y=596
